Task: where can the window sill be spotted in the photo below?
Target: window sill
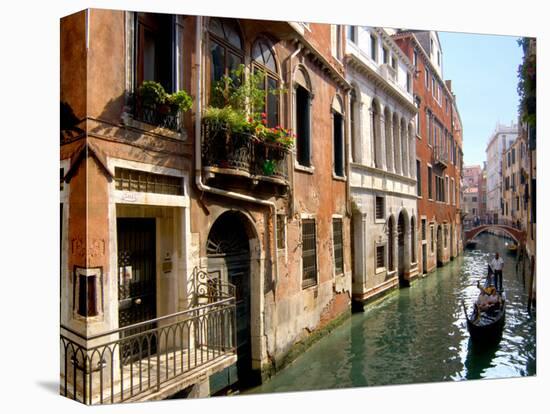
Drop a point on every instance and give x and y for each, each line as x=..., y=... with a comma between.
x=379, y=270
x=303, y=168
x=380, y=221
x=339, y=178
x=309, y=284
x=393, y=272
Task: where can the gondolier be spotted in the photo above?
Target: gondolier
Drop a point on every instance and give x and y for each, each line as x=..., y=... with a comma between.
x=496, y=266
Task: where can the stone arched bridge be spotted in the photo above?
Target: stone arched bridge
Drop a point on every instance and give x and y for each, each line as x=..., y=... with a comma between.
x=515, y=233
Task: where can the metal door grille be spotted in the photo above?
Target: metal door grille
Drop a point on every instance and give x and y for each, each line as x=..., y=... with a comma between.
x=136, y=281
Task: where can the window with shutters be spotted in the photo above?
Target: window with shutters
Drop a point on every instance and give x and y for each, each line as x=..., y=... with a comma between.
x=338, y=243
x=309, y=253
x=423, y=229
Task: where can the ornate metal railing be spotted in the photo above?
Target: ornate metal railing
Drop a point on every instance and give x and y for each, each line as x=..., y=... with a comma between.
x=440, y=157
x=243, y=153
x=164, y=116
x=121, y=365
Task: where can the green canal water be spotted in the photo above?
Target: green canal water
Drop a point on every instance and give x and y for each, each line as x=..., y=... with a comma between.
x=419, y=334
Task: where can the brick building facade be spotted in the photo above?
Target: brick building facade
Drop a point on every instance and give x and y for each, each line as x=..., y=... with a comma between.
x=438, y=151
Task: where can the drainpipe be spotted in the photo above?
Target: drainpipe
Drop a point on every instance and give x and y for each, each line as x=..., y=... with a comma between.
x=289, y=60
x=198, y=160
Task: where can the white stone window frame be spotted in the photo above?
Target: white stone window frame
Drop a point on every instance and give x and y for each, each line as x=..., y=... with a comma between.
x=151, y=199
x=430, y=183
x=384, y=269
x=432, y=238
x=384, y=219
x=87, y=272
x=143, y=198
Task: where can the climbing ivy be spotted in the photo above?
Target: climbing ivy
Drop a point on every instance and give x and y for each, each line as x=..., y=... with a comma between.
x=527, y=82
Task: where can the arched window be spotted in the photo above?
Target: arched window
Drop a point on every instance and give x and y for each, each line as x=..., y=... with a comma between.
x=263, y=60
x=338, y=136
x=302, y=105
x=226, y=48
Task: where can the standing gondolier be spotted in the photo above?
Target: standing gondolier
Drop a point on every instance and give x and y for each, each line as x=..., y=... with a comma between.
x=496, y=265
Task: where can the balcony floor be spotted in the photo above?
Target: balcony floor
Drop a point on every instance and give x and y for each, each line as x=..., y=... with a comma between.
x=177, y=370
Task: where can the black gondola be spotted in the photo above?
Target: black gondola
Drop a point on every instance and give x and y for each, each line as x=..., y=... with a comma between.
x=486, y=325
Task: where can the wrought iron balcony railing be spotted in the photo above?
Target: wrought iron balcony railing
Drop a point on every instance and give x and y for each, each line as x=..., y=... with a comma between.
x=243, y=154
x=440, y=157
x=164, y=116
x=132, y=362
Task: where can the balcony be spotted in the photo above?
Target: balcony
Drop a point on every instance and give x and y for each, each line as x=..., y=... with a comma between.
x=153, y=359
x=245, y=156
x=440, y=158
x=388, y=72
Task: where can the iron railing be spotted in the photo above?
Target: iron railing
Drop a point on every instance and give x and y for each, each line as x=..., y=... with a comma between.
x=130, y=363
x=440, y=157
x=243, y=153
x=164, y=116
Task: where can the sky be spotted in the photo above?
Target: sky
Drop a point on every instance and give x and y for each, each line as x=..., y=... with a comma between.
x=483, y=70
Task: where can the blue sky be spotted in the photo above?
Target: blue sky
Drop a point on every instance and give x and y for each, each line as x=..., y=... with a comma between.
x=483, y=69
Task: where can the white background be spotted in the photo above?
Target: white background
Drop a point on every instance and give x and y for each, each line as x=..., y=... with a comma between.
x=29, y=292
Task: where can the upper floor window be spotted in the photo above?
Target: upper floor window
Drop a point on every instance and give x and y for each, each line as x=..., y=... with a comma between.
x=415, y=59
x=264, y=61
x=302, y=107
x=373, y=47
x=226, y=48
x=155, y=49
x=352, y=33
x=427, y=78
x=338, y=136
x=409, y=83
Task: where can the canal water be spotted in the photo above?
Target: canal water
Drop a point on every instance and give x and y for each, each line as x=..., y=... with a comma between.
x=419, y=334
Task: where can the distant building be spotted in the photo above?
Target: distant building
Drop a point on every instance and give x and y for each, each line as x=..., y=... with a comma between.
x=472, y=176
x=500, y=140
x=438, y=151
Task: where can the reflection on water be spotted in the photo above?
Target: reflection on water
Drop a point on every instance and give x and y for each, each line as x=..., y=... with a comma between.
x=419, y=334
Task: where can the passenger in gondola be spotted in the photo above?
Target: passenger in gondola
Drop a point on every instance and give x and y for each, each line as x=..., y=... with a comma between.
x=487, y=298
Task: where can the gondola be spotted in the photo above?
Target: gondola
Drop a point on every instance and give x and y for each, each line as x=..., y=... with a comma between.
x=486, y=325
x=511, y=248
x=471, y=244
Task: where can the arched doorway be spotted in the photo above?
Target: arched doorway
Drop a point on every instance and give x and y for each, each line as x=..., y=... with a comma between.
x=401, y=237
x=439, y=246
x=228, y=253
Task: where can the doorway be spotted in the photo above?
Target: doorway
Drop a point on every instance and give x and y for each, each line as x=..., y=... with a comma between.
x=228, y=255
x=137, y=291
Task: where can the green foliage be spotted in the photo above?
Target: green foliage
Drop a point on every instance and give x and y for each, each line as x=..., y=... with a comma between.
x=527, y=83
x=226, y=118
x=234, y=96
x=152, y=94
x=181, y=99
